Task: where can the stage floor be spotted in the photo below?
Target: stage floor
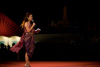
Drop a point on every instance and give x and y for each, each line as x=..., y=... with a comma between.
x=51, y=63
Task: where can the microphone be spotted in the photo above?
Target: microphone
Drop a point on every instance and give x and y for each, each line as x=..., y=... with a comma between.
x=33, y=22
x=35, y=26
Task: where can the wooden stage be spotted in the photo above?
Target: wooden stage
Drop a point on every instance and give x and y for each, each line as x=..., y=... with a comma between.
x=51, y=63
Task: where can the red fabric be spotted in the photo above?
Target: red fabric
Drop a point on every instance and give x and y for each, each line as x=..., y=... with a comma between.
x=18, y=46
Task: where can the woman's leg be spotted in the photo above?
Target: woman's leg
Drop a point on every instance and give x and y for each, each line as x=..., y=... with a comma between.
x=26, y=59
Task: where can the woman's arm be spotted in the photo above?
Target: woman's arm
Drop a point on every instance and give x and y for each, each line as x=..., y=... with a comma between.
x=27, y=27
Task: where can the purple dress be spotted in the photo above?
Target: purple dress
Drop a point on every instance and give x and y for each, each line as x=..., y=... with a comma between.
x=27, y=41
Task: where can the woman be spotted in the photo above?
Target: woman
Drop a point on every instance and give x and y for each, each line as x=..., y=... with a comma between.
x=27, y=39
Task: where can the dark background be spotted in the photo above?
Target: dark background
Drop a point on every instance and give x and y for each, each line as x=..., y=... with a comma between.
x=80, y=12
x=46, y=11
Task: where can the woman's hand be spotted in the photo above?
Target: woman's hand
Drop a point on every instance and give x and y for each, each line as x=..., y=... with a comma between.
x=34, y=24
x=38, y=31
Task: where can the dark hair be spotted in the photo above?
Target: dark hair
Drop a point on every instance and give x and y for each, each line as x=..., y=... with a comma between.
x=26, y=18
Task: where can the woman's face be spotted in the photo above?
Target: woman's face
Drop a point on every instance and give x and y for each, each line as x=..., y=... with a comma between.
x=30, y=18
